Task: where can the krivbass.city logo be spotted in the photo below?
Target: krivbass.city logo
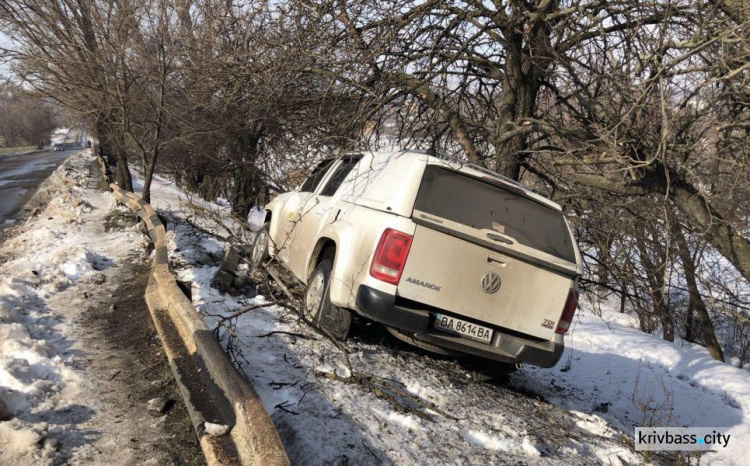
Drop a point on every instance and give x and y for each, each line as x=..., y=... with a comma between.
x=680, y=438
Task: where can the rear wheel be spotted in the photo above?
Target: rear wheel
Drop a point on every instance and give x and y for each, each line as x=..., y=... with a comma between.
x=317, y=308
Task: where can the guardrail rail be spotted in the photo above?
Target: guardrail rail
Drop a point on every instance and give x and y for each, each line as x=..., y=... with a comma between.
x=213, y=391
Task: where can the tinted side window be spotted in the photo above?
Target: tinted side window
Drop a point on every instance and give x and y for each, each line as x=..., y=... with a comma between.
x=339, y=175
x=318, y=174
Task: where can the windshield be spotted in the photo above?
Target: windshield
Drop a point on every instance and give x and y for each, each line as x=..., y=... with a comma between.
x=484, y=205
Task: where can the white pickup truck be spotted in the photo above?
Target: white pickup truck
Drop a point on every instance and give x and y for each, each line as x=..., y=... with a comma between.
x=448, y=256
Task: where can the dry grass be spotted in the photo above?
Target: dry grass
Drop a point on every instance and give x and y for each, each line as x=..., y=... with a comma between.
x=12, y=150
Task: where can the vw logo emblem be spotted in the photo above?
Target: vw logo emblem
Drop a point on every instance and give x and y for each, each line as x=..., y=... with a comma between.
x=490, y=283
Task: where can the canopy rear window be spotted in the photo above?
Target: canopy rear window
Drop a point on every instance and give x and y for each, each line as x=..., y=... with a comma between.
x=484, y=205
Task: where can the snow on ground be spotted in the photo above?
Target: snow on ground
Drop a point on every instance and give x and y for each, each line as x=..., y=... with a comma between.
x=634, y=379
x=48, y=273
x=328, y=421
x=612, y=378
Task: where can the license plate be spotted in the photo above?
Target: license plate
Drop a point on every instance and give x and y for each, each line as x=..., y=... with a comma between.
x=461, y=327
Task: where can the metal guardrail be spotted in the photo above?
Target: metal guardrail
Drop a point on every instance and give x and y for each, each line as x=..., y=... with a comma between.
x=211, y=387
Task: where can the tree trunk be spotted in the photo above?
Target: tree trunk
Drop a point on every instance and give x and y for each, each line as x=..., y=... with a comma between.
x=247, y=188
x=526, y=62
x=518, y=100
x=603, y=264
x=115, y=156
x=123, y=178
x=149, y=164
x=148, y=176
x=659, y=302
x=665, y=315
x=119, y=163
x=712, y=343
x=689, y=316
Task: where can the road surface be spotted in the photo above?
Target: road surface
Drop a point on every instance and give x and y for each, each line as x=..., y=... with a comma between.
x=20, y=176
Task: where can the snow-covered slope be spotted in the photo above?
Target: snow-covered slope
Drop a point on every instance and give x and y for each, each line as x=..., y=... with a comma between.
x=634, y=379
x=38, y=264
x=612, y=378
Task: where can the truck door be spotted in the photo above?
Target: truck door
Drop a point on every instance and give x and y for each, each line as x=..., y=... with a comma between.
x=295, y=208
x=313, y=216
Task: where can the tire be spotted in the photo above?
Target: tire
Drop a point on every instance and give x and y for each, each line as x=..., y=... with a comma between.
x=260, y=252
x=317, y=308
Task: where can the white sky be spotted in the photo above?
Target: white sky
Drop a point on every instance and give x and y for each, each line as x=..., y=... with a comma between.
x=4, y=42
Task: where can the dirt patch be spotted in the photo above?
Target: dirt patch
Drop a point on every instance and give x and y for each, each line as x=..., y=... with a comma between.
x=120, y=218
x=137, y=369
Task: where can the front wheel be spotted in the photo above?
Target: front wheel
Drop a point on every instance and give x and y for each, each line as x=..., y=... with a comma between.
x=318, y=309
x=260, y=252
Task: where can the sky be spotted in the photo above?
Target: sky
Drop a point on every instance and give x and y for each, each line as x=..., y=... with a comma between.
x=4, y=42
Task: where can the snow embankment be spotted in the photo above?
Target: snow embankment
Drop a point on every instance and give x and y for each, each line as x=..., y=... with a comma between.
x=55, y=250
x=40, y=265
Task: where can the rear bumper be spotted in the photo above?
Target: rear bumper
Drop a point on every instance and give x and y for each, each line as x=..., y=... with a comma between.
x=381, y=307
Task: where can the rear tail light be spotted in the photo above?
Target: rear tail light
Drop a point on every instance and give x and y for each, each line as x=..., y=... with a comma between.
x=390, y=256
x=568, y=311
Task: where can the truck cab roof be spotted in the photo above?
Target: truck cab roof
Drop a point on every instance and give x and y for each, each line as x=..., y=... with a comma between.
x=429, y=158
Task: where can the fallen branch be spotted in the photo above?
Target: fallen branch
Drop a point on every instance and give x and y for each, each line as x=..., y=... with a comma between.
x=279, y=282
x=281, y=332
x=371, y=452
x=283, y=406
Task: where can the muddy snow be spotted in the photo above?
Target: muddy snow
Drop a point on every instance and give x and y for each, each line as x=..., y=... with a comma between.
x=61, y=281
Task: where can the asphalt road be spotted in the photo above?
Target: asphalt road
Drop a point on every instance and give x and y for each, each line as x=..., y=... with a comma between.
x=20, y=177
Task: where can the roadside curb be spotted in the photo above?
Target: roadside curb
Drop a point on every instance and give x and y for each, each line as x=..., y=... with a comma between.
x=210, y=385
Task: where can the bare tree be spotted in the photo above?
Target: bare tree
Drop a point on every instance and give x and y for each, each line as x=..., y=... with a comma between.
x=58, y=50
x=25, y=118
x=633, y=115
x=595, y=103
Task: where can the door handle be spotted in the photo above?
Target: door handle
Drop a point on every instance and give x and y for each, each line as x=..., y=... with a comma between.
x=497, y=260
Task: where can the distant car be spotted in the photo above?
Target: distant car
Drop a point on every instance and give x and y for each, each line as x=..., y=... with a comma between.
x=58, y=146
x=449, y=256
